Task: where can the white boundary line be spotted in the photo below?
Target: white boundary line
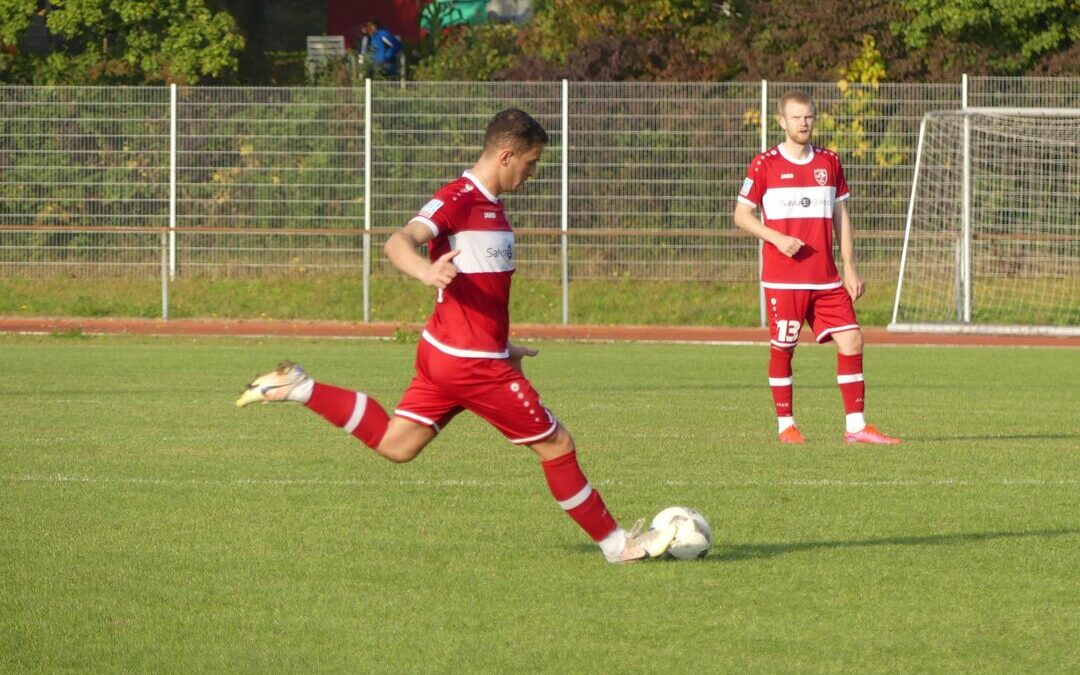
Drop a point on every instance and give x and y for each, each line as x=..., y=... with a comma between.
x=518, y=338
x=450, y=483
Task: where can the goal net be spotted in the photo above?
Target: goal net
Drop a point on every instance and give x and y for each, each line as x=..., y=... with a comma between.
x=992, y=239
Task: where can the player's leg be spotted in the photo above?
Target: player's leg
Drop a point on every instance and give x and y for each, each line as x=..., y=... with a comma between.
x=354, y=411
x=849, y=376
x=786, y=308
x=833, y=318
x=508, y=401
x=576, y=496
x=397, y=439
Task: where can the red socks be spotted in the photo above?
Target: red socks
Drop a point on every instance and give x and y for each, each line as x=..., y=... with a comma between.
x=574, y=494
x=353, y=411
x=780, y=380
x=849, y=376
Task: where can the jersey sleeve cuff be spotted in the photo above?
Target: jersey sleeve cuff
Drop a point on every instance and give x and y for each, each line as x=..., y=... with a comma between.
x=843, y=197
x=744, y=200
x=430, y=224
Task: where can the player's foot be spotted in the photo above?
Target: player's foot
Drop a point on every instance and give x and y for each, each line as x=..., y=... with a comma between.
x=870, y=435
x=792, y=435
x=275, y=385
x=644, y=545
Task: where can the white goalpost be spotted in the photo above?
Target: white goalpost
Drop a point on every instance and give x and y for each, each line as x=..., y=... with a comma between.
x=992, y=238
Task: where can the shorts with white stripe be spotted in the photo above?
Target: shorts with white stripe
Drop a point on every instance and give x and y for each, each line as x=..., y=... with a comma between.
x=445, y=385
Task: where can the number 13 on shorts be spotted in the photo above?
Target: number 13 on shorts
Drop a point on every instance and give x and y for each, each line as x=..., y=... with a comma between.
x=787, y=332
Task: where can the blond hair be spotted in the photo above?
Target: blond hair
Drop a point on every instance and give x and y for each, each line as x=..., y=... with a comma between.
x=796, y=95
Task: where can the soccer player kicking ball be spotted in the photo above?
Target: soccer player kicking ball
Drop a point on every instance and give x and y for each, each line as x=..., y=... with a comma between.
x=464, y=360
x=802, y=194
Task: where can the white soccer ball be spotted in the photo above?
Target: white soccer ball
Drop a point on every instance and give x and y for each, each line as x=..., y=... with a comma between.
x=693, y=537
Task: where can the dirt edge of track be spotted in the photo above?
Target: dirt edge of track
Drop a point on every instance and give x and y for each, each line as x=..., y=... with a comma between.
x=344, y=329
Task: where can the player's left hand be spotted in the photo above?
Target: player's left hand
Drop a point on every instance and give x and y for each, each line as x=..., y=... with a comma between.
x=854, y=284
x=517, y=353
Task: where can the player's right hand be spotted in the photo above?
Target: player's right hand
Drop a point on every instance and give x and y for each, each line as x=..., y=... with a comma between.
x=789, y=246
x=441, y=272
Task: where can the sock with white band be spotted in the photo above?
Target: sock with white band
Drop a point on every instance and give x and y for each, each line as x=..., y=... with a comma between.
x=575, y=496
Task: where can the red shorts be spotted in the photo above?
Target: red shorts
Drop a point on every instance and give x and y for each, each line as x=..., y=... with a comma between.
x=445, y=385
x=827, y=312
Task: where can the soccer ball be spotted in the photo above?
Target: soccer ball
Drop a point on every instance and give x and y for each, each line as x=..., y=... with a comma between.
x=694, y=536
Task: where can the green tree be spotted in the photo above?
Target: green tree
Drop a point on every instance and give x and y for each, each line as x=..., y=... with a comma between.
x=592, y=40
x=471, y=53
x=119, y=41
x=1011, y=35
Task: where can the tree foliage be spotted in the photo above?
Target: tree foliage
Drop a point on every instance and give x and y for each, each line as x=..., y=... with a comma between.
x=119, y=41
x=925, y=40
x=472, y=53
x=1011, y=36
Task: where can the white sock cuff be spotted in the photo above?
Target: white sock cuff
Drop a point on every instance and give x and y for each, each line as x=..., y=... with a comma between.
x=783, y=423
x=855, y=422
x=613, y=544
x=301, y=393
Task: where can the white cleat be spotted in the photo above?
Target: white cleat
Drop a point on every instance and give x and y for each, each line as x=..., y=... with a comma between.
x=644, y=545
x=275, y=385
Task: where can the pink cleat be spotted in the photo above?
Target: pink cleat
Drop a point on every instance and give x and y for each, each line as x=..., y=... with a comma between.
x=792, y=435
x=870, y=435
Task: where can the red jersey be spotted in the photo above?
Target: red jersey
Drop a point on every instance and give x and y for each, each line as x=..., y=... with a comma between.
x=472, y=314
x=797, y=197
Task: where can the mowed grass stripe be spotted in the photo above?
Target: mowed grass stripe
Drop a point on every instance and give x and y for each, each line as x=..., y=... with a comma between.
x=441, y=484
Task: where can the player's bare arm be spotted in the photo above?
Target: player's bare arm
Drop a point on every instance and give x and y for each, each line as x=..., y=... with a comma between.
x=401, y=250
x=746, y=221
x=845, y=234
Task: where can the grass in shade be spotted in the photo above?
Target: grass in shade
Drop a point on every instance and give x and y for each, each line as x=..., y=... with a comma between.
x=149, y=525
x=399, y=299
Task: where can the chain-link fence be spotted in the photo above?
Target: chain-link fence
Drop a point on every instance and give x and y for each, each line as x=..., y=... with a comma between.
x=638, y=182
x=84, y=180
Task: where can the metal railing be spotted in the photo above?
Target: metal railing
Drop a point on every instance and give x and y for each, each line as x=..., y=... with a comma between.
x=639, y=180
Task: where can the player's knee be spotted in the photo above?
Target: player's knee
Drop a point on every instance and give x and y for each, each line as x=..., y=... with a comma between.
x=857, y=341
x=562, y=442
x=558, y=444
x=400, y=450
x=850, y=342
x=399, y=454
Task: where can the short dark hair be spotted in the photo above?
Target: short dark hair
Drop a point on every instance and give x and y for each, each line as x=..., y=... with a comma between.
x=515, y=127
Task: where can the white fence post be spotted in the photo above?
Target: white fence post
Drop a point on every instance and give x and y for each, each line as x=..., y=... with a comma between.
x=164, y=277
x=367, y=200
x=965, y=246
x=764, y=147
x=172, y=180
x=564, y=217
x=168, y=241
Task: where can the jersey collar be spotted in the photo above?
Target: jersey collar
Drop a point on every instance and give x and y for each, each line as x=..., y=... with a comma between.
x=468, y=175
x=806, y=160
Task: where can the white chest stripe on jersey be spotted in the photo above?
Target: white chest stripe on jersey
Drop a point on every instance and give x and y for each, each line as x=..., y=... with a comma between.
x=483, y=251
x=799, y=202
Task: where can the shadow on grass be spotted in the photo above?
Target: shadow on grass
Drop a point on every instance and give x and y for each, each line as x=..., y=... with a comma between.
x=738, y=552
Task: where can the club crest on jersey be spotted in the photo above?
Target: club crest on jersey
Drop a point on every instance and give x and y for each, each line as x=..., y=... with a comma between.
x=821, y=176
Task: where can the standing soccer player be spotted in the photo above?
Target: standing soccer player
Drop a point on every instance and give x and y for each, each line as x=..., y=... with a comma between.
x=464, y=360
x=802, y=194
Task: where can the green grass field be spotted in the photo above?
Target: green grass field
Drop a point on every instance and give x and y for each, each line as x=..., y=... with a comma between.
x=399, y=299
x=150, y=526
